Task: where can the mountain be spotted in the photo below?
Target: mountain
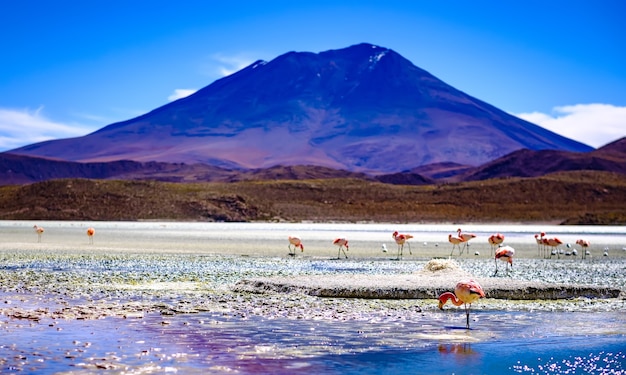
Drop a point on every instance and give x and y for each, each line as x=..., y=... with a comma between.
x=529, y=163
x=20, y=169
x=363, y=108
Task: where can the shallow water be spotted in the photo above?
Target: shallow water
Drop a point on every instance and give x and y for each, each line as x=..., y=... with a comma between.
x=189, y=266
x=500, y=342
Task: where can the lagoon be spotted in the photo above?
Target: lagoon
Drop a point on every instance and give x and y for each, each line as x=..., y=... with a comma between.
x=155, y=297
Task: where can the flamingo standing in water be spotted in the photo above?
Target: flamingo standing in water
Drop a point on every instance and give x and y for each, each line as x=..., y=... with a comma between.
x=495, y=240
x=39, y=230
x=584, y=245
x=90, y=233
x=296, y=242
x=465, y=293
x=456, y=242
x=505, y=254
x=466, y=237
x=341, y=242
x=401, y=239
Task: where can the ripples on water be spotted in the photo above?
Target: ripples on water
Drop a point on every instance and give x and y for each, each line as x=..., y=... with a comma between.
x=224, y=344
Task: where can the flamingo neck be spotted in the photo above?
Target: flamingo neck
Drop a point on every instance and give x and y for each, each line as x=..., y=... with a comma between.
x=449, y=296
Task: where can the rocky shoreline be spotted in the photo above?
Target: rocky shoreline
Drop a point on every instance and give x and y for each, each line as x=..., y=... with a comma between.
x=358, y=295
x=435, y=278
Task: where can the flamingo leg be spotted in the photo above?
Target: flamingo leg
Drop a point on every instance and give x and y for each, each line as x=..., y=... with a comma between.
x=344, y=252
x=467, y=315
x=410, y=252
x=453, y=246
x=496, y=260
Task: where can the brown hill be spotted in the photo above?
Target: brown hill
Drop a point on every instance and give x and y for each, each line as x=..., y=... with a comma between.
x=569, y=197
x=442, y=171
x=529, y=163
x=296, y=172
x=615, y=150
x=19, y=169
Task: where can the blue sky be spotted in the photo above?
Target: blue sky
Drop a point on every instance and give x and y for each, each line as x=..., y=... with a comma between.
x=68, y=68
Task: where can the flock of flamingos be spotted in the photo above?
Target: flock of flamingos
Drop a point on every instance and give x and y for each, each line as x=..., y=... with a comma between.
x=466, y=291
x=504, y=253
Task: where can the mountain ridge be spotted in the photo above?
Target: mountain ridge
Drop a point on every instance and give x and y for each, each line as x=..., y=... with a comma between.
x=363, y=108
x=19, y=169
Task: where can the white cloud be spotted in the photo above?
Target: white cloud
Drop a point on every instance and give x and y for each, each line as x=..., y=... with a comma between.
x=180, y=93
x=231, y=64
x=23, y=127
x=592, y=124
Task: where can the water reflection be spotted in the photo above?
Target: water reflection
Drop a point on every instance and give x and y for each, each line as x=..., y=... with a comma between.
x=464, y=349
x=221, y=343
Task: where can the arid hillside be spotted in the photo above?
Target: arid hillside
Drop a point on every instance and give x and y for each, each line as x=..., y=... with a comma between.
x=568, y=197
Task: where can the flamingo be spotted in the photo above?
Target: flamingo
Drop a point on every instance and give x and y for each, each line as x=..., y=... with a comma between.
x=505, y=254
x=296, y=242
x=90, y=233
x=456, y=242
x=39, y=230
x=584, y=244
x=401, y=239
x=466, y=237
x=341, y=242
x=540, y=244
x=544, y=244
x=466, y=292
x=495, y=240
x=553, y=243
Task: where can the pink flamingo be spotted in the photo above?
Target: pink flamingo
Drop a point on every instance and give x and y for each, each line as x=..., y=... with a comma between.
x=505, y=254
x=466, y=237
x=495, y=240
x=90, y=233
x=584, y=245
x=401, y=239
x=39, y=230
x=466, y=292
x=296, y=242
x=553, y=243
x=341, y=242
x=456, y=242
